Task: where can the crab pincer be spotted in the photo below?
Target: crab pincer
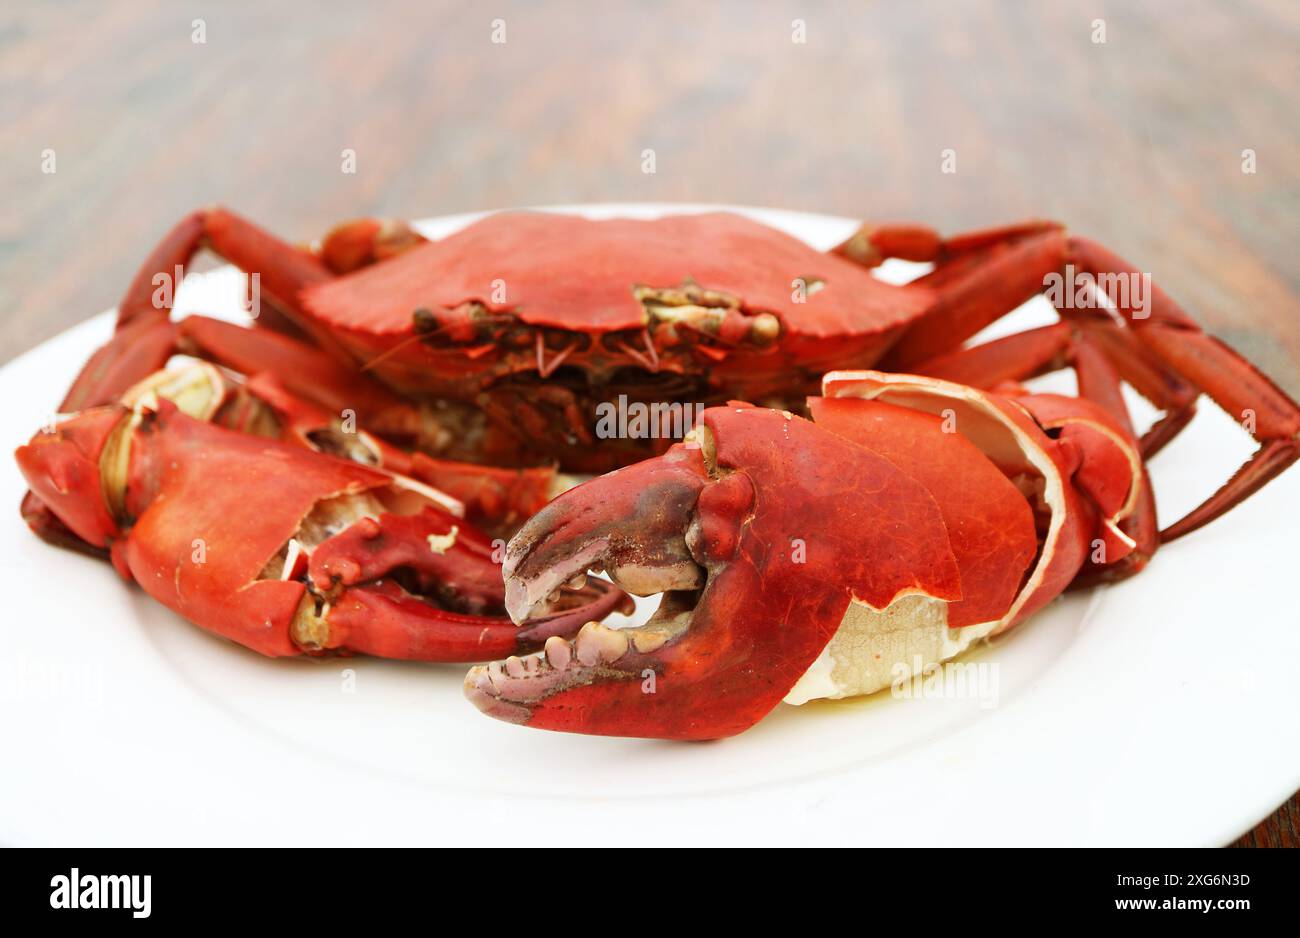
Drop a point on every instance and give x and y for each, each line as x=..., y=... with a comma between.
x=285, y=550
x=759, y=549
x=802, y=559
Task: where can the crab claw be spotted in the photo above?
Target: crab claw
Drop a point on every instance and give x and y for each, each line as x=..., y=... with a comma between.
x=282, y=549
x=62, y=464
x=426, y=586
x=760, y=536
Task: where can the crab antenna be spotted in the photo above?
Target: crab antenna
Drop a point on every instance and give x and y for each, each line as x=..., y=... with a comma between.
x=384, y=356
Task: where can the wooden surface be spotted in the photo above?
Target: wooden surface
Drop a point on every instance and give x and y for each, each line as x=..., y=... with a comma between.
x=1136, y=141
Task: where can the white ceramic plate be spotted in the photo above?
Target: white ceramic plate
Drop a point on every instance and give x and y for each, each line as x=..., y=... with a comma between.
x=1159, y=711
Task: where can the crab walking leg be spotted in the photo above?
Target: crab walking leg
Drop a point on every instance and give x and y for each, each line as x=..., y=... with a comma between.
x=176, y=249
x=1034, y=352
x=142, y=341
x=987, y=274
x=1149, y=376
x=281, y=549
x=138, y=348
x=308, y=372
x=144, y=337
x=974, y=289
x=283, y=270
x=1240, y=389
x=1044, y=349
x=1017, y=357
x=871, y=244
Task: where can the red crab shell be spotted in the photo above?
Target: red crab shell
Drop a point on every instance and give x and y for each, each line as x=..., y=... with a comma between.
x=548, y=290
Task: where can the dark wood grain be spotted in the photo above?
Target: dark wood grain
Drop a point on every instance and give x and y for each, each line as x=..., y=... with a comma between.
x=1280, y=829
x=1137, y=142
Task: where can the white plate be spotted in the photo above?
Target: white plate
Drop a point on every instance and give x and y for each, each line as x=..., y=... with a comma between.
x=1159, y=711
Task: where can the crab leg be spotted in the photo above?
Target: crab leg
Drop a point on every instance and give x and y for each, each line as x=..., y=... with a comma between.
x=1233, y=383
x=365, y=241
x=974, y=289
x=1155, y=381
x=138, y=348
x=145, y=337
x=1016, y=357
x=1035, y=352
x=175, y=250
x=308, y=372
x=306, y=554
x=871, y=244
x=143, y=340
x=283, y=269
x=1162, y=351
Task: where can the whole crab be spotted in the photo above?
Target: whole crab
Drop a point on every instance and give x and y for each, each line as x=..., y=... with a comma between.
x=935, y=498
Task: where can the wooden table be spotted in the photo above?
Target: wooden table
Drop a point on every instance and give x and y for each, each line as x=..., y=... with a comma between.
x=1137, y=141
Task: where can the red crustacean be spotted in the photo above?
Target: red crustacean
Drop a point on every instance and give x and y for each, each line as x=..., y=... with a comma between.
x=932, y=501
